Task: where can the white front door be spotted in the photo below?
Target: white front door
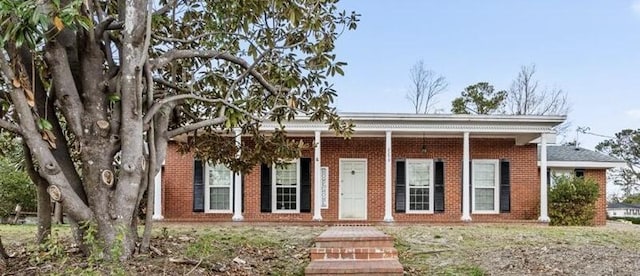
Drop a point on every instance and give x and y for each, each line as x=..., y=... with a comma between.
x=353, y=189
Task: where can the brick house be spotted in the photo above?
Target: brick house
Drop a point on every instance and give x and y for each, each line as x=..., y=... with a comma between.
x=395, y=168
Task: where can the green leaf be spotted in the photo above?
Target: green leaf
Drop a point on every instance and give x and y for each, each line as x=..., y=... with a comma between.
x=113, y=97
x=44, y=124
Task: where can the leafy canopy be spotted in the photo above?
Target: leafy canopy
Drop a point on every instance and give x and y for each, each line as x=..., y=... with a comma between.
x=625, y=146
x=480, y=98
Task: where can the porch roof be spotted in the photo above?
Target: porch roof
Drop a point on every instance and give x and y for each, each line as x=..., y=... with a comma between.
x=521, y=127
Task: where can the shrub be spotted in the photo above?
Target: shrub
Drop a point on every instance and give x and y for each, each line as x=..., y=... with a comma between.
x=572, y=201
x=630, y=219
x=15, y=188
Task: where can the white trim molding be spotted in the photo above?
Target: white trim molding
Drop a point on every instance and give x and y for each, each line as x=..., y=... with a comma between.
x=584, y=164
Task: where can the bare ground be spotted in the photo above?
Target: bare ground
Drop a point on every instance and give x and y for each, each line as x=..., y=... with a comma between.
x=228, y=249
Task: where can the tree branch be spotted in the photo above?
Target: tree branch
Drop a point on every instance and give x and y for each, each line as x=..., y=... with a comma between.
x=198, y=125
x=50, y=169
x=157, y=105
x=11, y=127
x=171, y=55
x=170, y=4
x=65, y=87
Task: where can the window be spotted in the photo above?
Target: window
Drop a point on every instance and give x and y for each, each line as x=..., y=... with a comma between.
x=218, y=189
x=558, y=173
x=419, y=185
x=286, y=187
x=485, y=186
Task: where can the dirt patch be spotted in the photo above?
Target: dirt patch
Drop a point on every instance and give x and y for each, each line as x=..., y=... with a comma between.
x=197, y=249
x=519, y=250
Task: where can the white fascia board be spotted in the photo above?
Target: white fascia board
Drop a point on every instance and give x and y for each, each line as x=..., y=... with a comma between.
x=584, y=164
x=449, y=117
x=400, y=127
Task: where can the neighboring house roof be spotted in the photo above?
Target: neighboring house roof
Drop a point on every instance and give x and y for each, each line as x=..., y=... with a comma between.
x=577, y=157
x=620, y=205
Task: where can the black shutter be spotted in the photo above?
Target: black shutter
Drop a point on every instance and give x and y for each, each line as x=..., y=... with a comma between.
x=548, y=178
x=198, y=185
x=438, y=188
x=579, y=172
x=305, y=185
x=265, y=189
x=401, y=186
x=505, y=187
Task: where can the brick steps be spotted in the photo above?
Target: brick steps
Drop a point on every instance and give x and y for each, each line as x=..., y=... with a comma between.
x=366, y=253
x=359, y=250
x=360, y=267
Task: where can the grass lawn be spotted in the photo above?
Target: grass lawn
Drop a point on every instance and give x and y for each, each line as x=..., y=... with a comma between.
x=227, y=249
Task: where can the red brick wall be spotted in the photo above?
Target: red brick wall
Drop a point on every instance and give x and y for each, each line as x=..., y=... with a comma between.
x=525, y=182
x=599, y=176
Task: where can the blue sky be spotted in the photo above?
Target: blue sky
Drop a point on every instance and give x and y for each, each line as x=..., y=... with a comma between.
x=590, y=49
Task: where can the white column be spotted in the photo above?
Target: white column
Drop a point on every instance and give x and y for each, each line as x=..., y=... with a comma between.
x=388, y=217
x=544, y=217
x=317, y=179
x=466, y=208
x=157, y=197
x=237, y=184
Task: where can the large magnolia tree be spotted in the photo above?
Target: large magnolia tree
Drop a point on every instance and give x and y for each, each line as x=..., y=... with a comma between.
x=96, y=88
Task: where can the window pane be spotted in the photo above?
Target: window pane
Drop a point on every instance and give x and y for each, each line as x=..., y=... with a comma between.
x=484, y=175
x=418, y=199
x=219, y=198
x=484, y=200
x=419, y=173
x=287, y=175
x=286, y=198
x=219, y=175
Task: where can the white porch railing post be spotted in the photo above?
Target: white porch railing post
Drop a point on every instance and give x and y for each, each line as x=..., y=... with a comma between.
x=544, y=216
x=237, y=184
x=317, y=179
x=466, y=207
x=388, y=217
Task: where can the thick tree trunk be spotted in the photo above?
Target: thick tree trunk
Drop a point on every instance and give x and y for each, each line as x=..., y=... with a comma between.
x=4, y=258
x=58, y=214
x=44, y=199
x=44, y=213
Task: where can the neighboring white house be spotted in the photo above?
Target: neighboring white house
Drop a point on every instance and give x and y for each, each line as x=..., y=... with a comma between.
x=618, y=209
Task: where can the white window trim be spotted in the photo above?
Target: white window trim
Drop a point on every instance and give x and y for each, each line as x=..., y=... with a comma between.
x=431, y=190
x=207, y=192
x=274, y=195
x=496, y=194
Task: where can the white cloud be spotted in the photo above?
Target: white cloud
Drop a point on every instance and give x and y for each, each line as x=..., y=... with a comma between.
x=633, y=113
x=635, y=6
